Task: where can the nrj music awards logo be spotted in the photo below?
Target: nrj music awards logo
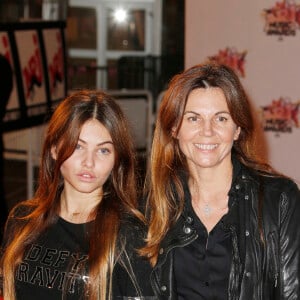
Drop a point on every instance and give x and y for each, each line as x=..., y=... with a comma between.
x=283, y=19
x=232, y=58
x=281, y=116
x=33, y=70
x=56, y=71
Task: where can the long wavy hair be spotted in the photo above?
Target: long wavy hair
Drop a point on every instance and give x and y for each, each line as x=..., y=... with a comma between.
x=163, y=181
x=119, y=190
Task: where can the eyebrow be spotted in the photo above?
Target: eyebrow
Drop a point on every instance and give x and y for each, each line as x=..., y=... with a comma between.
x=100, y=144
x=195, y=113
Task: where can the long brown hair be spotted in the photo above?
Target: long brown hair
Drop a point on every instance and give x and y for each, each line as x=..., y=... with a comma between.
x=167, y=159
x=119, y=190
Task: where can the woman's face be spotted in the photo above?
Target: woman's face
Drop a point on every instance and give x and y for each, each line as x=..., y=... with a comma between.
x=91, y=163
x=207, y=131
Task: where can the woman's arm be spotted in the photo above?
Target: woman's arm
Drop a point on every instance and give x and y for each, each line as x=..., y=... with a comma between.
x=289, y=244
x=131, y=276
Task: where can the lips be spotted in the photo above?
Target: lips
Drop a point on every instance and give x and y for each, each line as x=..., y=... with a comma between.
x=86, y=176
x=206, y=146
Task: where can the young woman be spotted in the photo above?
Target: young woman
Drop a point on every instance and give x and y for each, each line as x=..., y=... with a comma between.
x=76, y=238
x=223, y=225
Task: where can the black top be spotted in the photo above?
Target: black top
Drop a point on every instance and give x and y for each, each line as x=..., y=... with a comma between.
x=202, y=268
x=57, y=259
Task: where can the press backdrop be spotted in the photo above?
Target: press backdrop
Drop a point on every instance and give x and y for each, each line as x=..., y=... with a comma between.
x=261, y=40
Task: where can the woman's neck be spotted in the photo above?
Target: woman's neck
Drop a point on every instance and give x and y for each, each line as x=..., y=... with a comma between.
x=209, y=195
x=78, y=209
x=210, y=181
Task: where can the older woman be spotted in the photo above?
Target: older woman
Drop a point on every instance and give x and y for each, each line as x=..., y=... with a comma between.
x=223, y=225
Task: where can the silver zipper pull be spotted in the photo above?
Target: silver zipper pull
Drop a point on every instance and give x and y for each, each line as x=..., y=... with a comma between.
x=275, y=281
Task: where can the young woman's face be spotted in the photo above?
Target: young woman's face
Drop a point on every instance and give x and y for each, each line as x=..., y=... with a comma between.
x=207, y=131
x=88, y=168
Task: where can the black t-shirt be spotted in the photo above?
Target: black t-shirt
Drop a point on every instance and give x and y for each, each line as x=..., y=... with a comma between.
x=57, y=260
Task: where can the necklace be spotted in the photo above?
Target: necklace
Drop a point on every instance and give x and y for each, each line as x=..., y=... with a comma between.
x=207, y=210
x=76, y=216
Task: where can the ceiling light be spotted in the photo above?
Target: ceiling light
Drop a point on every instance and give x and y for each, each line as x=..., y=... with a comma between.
x=120, y=15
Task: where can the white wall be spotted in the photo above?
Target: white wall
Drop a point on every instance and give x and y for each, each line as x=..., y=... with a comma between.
x=272, y=64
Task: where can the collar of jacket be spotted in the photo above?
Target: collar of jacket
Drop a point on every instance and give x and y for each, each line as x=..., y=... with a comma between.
x=182, y=232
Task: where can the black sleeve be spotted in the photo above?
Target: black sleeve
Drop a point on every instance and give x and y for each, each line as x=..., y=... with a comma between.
x=289, y=243
x=131, y=276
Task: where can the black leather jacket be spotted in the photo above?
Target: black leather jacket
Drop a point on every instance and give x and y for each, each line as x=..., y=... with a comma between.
x=266, y=263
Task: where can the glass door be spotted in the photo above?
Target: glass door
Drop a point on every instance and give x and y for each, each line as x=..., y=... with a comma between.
x=99, y=33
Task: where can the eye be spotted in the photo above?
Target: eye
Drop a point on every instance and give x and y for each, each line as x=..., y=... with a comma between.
x=221, y=118
x=192, y=118
x=78, y=147
x=104, y=151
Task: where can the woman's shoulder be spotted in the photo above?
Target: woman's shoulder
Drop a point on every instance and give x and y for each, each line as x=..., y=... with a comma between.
x=130, y=223
x=279, y=183
x=17, y=219
x=133, y=231
x=22, y=209
x=272, y=181
x=19, y=213
x=279, y=187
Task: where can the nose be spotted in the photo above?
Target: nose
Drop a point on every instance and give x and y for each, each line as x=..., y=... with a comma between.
x=206, y=128
x=88, y=159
